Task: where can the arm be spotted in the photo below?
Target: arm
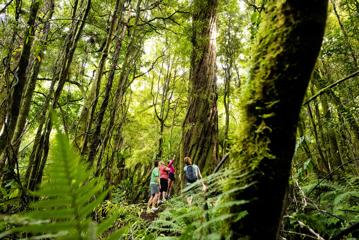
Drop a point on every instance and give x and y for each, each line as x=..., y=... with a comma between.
x=204, y=187
x=171, y=162
x=158, y=177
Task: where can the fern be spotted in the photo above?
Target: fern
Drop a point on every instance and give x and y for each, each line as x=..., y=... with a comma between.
x=180, y=221
x=66, y=200
x=331, y=206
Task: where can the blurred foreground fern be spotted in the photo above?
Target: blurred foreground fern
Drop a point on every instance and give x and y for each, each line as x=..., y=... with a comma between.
x=66, y=199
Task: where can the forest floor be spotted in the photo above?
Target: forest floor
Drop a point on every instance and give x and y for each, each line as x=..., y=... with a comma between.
x=150, y=216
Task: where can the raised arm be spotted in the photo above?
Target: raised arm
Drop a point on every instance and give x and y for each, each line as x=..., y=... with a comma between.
x=172, y=160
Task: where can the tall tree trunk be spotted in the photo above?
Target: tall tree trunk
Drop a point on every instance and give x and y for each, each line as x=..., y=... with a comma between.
x=343, y=111
x=30, y=87
x=230, y=48
x=322, y=164
x=17, y=90
x=39, y=153
x=106, y=100
x=334, y=153
x=88, y=112
x=119, y=94
x=200, y=127
x=5, y=82
x=320, y=138
x=306, y=148
x=270, y=104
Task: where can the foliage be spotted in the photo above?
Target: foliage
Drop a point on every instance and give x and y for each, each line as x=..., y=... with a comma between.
x=327, y=208
x=64, y=203
x=205, y=218
x=127, y=217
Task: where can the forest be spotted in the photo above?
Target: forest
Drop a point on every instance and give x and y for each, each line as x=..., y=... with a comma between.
x=187, y=119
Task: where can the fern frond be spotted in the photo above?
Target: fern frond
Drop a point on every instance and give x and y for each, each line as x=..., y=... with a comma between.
x=66, y=199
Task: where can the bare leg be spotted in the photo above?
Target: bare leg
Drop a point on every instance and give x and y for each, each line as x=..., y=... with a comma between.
x=156, y=200
x=150, y=201
x=170, y=185
x=189, y=200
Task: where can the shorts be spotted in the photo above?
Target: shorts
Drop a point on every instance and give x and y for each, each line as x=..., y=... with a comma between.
x=172, y=176
x=154, y=188
x=164, y=184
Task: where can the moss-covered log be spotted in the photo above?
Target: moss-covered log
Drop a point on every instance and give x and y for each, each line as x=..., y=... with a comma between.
x=288, y=43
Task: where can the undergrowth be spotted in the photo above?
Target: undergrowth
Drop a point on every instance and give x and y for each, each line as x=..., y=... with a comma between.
x=322, y=210
x=205, y=218
x=64, y=203
x=70, y=204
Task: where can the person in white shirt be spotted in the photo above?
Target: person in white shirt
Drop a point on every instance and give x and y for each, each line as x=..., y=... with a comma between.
x=192, y=174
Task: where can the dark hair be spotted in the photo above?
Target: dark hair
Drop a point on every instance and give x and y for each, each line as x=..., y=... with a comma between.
x=156, y=163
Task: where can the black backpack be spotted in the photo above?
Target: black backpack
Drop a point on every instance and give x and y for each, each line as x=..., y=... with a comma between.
x=191, y=175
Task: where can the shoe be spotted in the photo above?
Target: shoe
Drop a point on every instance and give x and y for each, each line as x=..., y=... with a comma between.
x=154, y=209
x=160, y=202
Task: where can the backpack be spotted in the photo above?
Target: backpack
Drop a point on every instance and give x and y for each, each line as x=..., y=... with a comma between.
x=191, y=175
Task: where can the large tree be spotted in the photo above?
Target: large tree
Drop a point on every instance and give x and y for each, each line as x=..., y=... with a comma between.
x=288, y=43
x=200, y=127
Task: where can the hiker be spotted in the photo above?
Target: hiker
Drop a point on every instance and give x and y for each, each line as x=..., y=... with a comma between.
x=164, y=175
x=192, y=174
x=154, y=188
x=171, y=175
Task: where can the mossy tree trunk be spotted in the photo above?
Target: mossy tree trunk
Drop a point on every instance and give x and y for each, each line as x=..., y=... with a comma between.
x=288, y=43
x=200, y=127
x=16, y=94
x=38, y=156
x=38, y=55
x=5, y=79
x=89, y=108
x=101, y=138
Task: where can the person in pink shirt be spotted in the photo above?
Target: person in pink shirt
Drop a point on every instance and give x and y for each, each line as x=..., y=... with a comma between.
x=164, y=175
x=171, y=175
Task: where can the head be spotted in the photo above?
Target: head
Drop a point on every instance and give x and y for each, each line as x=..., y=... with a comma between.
x=156, y=163
x=188, y=161
x=162, y=162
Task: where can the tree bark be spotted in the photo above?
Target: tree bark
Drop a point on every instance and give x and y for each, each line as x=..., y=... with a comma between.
x=30, y=87
x=5, y=80
x=322, y=164
x=288, y=43
x=88, y=112
x=130, y=56
x=39, y=153
x=200, y=127
x=105, y=102
x=17, y=91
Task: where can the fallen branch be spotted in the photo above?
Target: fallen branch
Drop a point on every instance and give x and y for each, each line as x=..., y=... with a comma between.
x=302, y=225
x=323, y=90
x=225, y=157
x=6, y=5
x=331, y=173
